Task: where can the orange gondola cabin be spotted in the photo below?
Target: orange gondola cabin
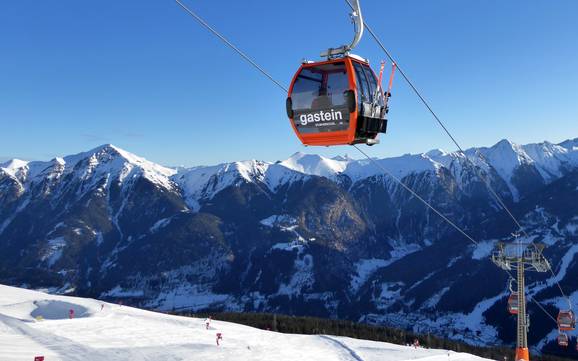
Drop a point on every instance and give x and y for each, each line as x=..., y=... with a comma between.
x=566, y=320
x=513, y=304
x=337, y=102
x=563, y=340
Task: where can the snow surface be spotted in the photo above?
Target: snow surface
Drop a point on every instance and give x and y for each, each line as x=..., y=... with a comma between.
x=54, y=250
x=365, y=268
x=302, y=276
x=161, y=223
x=483, y=249
x=282, y=220
x=315, y=165
x=505, y=157
x=36, y=324
x=13, y=167
x=467, y=327
x=433, y=300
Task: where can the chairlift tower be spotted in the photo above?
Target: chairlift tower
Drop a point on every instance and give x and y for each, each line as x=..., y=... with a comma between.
x=523, y=257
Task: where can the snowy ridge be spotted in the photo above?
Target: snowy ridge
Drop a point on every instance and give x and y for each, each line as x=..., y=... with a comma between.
x=92, y=165
x=14, y=167
x=504, y=158
x=82, y=175
x=37, y=324
x=202, y=183
x=315, y=165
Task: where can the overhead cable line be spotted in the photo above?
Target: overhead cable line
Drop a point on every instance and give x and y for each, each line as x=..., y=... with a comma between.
x=438, y=119
x=484, y=179
x=278, y=84
x=252, y=62
x=426, y=203
x=231, y=45
x=444, y=217
x=534, y=300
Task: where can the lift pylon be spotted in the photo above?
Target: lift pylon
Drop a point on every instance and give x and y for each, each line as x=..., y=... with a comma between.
x=522, y=257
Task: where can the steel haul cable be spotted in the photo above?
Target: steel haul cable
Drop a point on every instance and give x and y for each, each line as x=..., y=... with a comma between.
x=446, y=130
x=397, y=180
x=447, y=220
x=267, y=75
x=246, y=57
x=231, y=45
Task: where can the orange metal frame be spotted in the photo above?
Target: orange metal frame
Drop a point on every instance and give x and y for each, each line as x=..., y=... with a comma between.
x=345, y=137
x=522, y=354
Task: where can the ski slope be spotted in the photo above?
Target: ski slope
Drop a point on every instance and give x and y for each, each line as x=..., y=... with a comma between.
x=124, y=333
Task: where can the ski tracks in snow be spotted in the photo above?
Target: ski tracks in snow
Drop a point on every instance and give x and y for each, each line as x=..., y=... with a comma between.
x=59, y=345
x=352, y=355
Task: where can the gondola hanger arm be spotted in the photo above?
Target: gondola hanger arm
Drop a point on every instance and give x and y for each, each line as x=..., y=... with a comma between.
x=357, y=19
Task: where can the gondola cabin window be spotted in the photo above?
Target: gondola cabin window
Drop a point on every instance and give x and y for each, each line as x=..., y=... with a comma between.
x=319, y=98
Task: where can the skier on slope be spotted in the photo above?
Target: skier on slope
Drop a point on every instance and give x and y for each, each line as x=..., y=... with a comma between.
x=208, y=322
x=219, y=337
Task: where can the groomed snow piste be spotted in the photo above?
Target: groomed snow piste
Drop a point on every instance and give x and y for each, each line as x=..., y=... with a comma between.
x=37, y=324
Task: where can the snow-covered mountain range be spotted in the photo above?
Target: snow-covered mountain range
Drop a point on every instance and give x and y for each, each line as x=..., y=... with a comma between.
x=308, y=235
x=551, y=161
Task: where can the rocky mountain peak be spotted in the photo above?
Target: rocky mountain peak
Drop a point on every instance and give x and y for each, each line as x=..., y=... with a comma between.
x=315, y=164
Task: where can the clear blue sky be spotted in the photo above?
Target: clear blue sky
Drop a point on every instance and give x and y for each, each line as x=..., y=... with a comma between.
x=145, y=76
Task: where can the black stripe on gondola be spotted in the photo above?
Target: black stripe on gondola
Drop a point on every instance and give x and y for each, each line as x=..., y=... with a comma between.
x=309, y=78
